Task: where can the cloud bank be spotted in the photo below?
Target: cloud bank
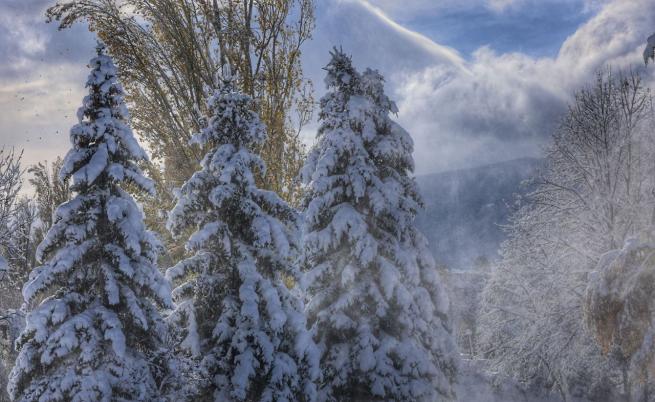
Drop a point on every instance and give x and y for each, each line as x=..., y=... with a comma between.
x=463, y=110
x=42, y=74
x=492, y=107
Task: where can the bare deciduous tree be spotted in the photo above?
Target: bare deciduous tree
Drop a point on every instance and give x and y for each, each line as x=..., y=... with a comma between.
x=49, y=190
x=10, y=185
x=596, y=191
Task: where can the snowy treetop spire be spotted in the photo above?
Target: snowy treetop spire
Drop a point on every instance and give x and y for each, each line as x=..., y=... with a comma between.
x=100, y=48
x=233, y=119
x=103, y=143
x=340, y=72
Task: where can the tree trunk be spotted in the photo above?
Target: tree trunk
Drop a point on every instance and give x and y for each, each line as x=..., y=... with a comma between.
x=626, y=383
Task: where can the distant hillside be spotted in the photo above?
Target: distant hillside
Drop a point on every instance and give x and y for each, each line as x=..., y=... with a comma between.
x=465, y=209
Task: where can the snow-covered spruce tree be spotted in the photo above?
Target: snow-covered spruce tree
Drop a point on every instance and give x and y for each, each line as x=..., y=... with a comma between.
x=95, y=333
x=376, y=307
x=233, y=307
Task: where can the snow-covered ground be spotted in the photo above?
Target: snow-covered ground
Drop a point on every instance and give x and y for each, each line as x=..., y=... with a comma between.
x=475, y=386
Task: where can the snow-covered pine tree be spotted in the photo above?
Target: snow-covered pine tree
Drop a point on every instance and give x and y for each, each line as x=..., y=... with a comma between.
x=96, y=331
x=376, y=307
x=233, y=307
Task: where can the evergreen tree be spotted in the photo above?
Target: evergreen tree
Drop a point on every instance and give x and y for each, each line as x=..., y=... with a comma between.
x=376, y=307
x=233, y=307
x=95, y=333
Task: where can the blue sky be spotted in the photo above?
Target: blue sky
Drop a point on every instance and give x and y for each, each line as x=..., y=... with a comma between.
x=476, y=81
x=537, y=30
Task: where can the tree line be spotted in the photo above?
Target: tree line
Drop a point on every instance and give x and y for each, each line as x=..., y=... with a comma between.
x=103, y=323
x=276, y=274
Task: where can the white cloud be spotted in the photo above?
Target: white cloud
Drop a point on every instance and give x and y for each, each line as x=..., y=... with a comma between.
x=501, y=5
x=408, y=9
x=615, y=35
x=509, y=104
x=498, y=113
x=373, y=39
x=429, y=46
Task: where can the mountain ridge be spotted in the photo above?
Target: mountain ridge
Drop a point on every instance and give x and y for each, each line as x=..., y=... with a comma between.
x=465, y=209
